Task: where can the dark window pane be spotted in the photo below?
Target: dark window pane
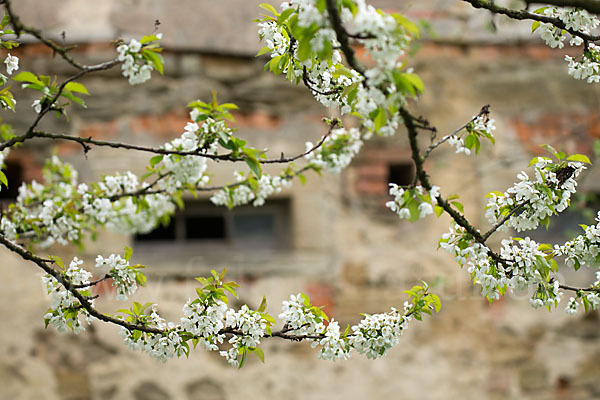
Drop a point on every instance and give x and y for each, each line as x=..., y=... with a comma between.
x=401, y=174
x=163, y=233
x=14, y=175
x=254, y=227
x=202, y=227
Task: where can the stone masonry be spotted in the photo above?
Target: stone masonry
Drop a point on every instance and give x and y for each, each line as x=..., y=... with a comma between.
x=342, y=246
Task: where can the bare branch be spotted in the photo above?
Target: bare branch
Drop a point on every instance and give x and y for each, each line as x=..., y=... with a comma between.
x=526, y=15
x=592, y=6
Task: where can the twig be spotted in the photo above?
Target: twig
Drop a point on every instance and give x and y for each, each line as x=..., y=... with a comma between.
x=526, y=15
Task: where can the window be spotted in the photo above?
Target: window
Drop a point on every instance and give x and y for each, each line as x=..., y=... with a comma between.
x=14, y=175
x=248, y=227
x=402, y=174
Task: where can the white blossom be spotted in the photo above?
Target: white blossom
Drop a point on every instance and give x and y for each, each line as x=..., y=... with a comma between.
x=12, y=63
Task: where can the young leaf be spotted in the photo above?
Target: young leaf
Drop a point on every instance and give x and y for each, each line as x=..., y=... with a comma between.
x=580, y=158
x=3, y=179
x=156, y=159
x=259, y=353
x=263, y=305
x=128, y=253
x=254, y=166
x=27, y=77
x=268, y=7
x=76, y=87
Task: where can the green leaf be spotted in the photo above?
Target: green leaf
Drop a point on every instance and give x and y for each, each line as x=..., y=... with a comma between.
x=268, y=318
x=284, y=15
x=416, y=81
x=438, y=210
x=128, y=253
x=262, y=51
x=263, y=305
x=544, y=247
x=306, y=300
x=259, y=353
x=76, y=87
x=436, y=302
x=58, y=261
x=229, y=106
x=380, y=119
x=535, y=25
x=27, y=77
x=459, y=206
x=155, y=59
x=230, y=290
x=268, y=7
x=470, y=141
x=304, y=49
x=244, y=352
x=156, y=159
x=413, y=207
x=580, y=158
x=74, y=98
x=550, y=149
x=254, y=166
x=407, y=24
x=3, y=179
x=148, y=39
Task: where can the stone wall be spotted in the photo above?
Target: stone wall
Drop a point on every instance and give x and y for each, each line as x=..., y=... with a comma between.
x=347, y=251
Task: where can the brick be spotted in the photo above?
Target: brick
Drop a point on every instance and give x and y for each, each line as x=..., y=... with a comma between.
x=374, y=171
x=99, y=130
x=321, y=295
x=372, y=187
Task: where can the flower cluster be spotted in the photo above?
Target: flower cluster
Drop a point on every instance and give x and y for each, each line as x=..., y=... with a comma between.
x=205, y=321
x=208, y=321
x=522, y=263
x=62, y=209
x=334, y=344
x=125, y=277
x=373, y=336
x=137, y=61
x=377, y=333
x=583, y=249
x=475, y=256
x=337, y=151
x=161, y=346
x=11, y=62
x=250, y=327
x=590, y=299
x=313, y=57
x=577, y=20
x=191, y=170
x=277, y=41
x=586, y=66
x=65, y=308
x=250, y=190
x=299, y=315
x=479, y=126
x=459, y=144
x=412, y=203
x=532, y=201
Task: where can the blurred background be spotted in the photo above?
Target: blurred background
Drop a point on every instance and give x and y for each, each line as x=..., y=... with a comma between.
x=331, y=238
